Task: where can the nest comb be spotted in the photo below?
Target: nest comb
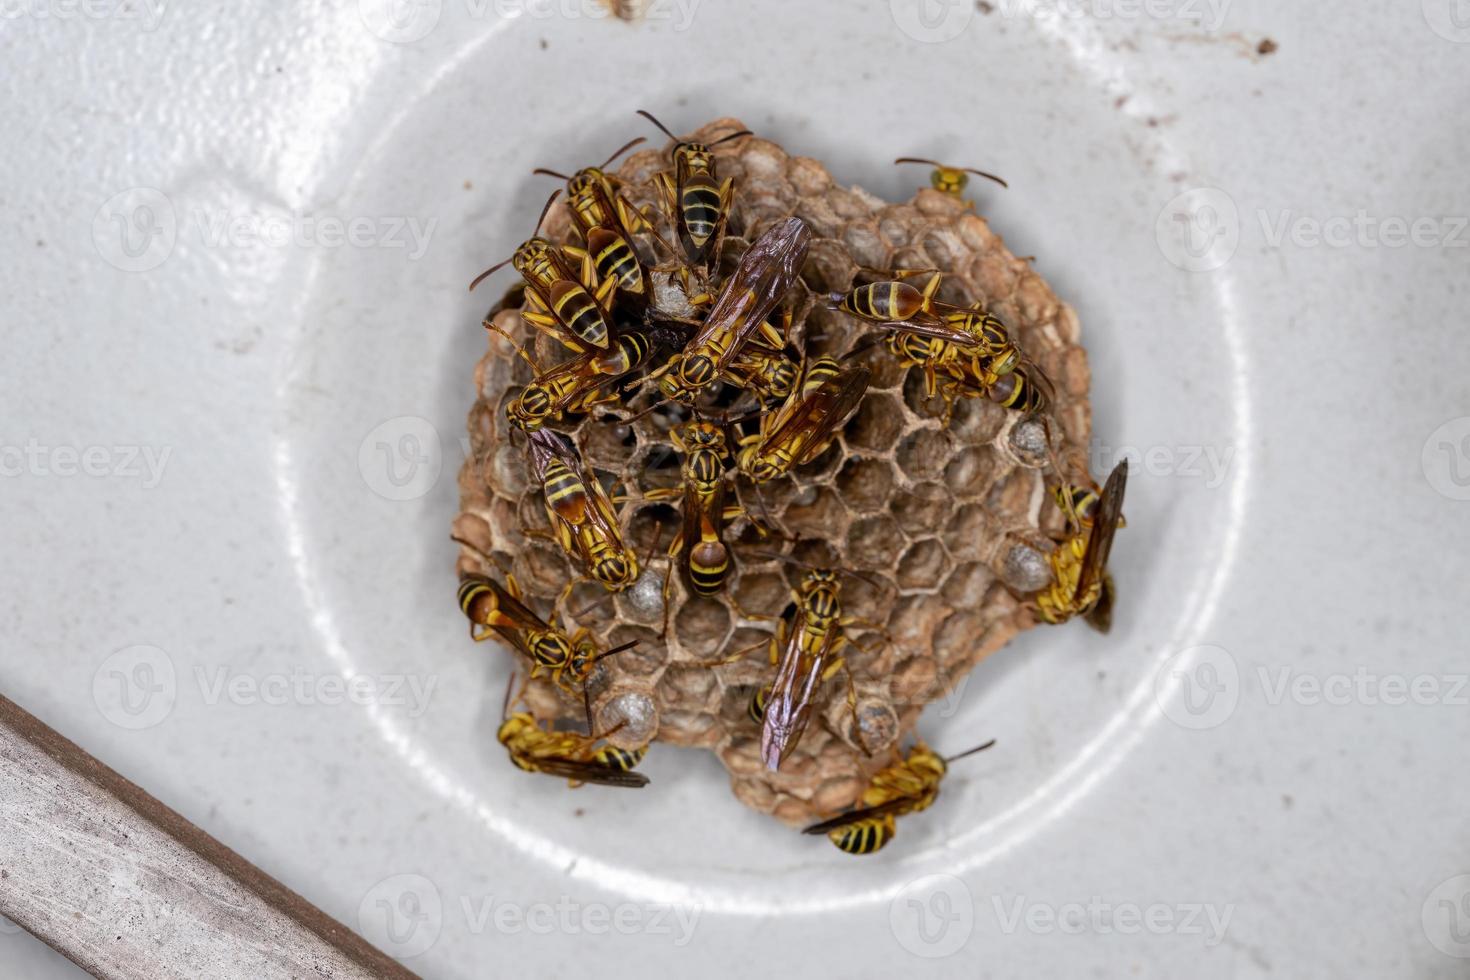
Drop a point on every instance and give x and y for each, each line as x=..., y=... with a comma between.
x=943, y=522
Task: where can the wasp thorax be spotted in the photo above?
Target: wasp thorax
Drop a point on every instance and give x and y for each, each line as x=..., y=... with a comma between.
x=697, y=157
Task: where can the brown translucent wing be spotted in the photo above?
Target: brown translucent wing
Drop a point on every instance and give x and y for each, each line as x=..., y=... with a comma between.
x=512, y=608
x=929, y=325
x=896, y=807
x=1100, y=616
x=766, y=273
x=545, y=446
x=821, y=412
x=590, y=772
x=789, y=706
x=1104, y=526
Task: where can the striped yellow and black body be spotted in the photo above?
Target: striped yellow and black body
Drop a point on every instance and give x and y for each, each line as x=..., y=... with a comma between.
x=575, y=386
x=770, y=374
x=614, y=258
x=908, y=786
x=806, y=651
x=499, y=611
x=582, y=517
x=565, y=297
x=699, y=546
x=765, y=275
x=896, y=304
x=595, y=198
x=695, y=198
x=756, y=710
x=806, y=422
x=1080, y=583
x=571, y=756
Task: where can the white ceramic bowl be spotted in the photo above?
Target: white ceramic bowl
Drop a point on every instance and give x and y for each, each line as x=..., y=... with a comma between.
x=236, y=275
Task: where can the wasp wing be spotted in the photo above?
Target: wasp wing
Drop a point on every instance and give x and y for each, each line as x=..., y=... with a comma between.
x=590, y=772
x=766, y=273
x=1104, y=524
x=897, y=807
x=789, y=706
x=820, y=413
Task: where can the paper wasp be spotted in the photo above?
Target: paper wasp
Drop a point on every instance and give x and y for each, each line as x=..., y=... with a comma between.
x=499, y=611
x=572, y=305
x=1080, y=583
x=569, y=755
x=904, y=787
x=765, y=275
x=806, y=651
x=576, y=386
x=582, y=518
x=951, y=180
x=895, y=304
x=806, y=423
x=594, y=198
x=608, y=222
x=694, y=196
x=700, y=539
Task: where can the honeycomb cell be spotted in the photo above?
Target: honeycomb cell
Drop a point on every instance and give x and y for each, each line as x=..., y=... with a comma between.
x=874, y=542
x=923, y=565
x=924, y=509
x=765, y=593
x=629, y=719
x=703, y=624
x=646, y=658
x=542, y=568
x=956, y=638
x=1028, y=442
x=877, y=424
x=968, y=472
x=923, y=453
x=966, y=586
x=866, y=484
x=1026, y=569
x=823, y=513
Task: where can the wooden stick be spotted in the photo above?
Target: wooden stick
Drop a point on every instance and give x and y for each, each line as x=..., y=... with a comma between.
x=125, y=887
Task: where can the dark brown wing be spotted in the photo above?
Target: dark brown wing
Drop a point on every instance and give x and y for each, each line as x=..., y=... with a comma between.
x=544, y=446
x=590, y=772
x=512, y=608
x=1104, y=525
x=897, y=807
x=789, y=706
x=766, y=273
x=1100, y=616
x=821, y=412
x=929, y=325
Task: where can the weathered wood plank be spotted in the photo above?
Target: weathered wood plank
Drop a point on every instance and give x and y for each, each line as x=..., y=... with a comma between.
x=127, y=888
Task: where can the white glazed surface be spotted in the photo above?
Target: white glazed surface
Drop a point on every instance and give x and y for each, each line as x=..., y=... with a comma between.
x=1296, y=510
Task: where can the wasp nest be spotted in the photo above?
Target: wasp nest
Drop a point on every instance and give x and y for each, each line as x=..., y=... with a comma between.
x=943, y=525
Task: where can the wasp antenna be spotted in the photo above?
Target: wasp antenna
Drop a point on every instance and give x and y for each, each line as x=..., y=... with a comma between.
x=653, y=119
x=543, y=172
x=987, y=176
x=732, y=136
x=547, y=209
x=931, y=163
x=863, y=348
x=624, y=149
x=510, y=683
x=968, y=752
x=488, y=273
x=615, y=651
